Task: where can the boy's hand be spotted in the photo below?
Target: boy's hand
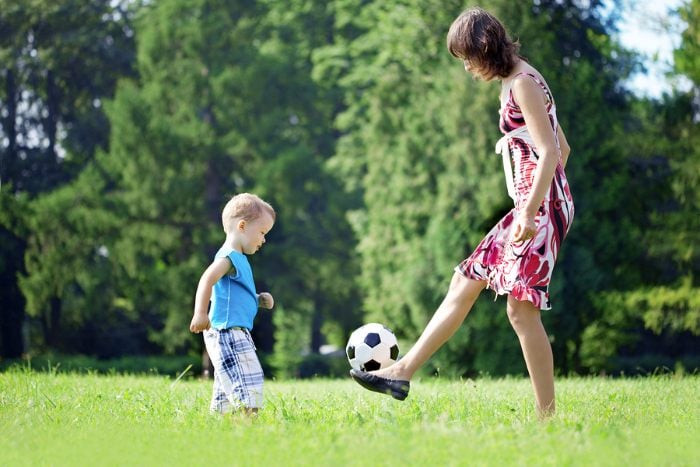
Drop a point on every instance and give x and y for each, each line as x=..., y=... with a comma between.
x=200, y=323
x=265, y=300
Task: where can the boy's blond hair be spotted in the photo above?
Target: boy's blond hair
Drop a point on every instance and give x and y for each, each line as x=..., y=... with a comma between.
x=244, y=206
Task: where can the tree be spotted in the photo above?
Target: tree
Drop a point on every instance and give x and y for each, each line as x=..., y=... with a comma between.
x=660, y=313
x=224, y=103
x=686, y=56
x=314, y=239
x=60, y=59
x=418, y=145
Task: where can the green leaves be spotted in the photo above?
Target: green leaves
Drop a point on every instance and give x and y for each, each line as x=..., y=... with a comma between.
x=687, y=55
x=368, y=138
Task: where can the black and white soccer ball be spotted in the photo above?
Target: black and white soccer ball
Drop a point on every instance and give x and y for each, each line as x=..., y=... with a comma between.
x=371, y=347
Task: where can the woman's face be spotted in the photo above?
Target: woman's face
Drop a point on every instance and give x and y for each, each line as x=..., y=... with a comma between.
x=475, y=70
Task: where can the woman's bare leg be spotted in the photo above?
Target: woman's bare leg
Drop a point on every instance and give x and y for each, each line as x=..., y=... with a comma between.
x=525, y=319
x=448, y=317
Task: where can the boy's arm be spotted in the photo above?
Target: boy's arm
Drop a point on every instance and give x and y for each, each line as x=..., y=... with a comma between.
x=215, y=271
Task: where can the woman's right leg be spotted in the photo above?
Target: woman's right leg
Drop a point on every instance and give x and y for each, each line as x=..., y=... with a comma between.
x=527, y=323
x=449, y=316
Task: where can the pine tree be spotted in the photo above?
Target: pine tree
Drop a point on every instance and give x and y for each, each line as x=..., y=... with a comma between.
x=418, y=145
x=224, y=103
x=59, y=61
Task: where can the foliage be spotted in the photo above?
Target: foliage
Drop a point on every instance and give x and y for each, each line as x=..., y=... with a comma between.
x=192, y=130
x=59, y=61
x=315, y=365
x=397, y=147
x=663, y=154
x=375, y=148
x=171, y=366
x=417, y=143
x=687, y=56
x=314, y=267
x=291, y=342
x=12, y=233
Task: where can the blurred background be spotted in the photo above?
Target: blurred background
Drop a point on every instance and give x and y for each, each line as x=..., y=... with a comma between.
x=127, y=124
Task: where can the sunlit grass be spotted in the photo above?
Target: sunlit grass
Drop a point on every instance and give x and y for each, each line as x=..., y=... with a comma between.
x=67, y=419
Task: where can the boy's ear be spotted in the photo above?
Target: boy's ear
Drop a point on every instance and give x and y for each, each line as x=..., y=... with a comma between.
x=240, y=225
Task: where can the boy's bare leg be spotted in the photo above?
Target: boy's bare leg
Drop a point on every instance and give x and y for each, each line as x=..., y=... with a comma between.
x=448, y=317
x=534, y=342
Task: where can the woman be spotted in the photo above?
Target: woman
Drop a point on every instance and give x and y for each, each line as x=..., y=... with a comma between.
x=517, y=256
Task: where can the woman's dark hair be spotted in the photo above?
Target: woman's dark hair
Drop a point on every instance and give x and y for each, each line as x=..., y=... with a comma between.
x=479, y=38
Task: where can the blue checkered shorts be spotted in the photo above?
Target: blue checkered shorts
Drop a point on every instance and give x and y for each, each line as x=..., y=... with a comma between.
x=238, y=376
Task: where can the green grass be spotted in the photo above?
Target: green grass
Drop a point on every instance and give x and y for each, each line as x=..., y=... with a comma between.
x=71, y=419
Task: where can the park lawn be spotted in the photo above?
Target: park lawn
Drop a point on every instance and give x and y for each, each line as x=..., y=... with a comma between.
x=61, y=419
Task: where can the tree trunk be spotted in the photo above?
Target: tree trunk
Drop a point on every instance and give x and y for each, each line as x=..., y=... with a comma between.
x=12, y=249
x=316, y=335
x=9, y=154
x=11, y=299
x=52, y=326
x=51, y=121
x=212, y=194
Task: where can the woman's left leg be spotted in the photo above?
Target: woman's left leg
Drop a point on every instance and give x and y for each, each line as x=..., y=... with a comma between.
x=526, y=321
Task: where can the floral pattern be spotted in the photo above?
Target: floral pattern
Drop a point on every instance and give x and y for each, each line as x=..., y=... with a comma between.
x=524, y=269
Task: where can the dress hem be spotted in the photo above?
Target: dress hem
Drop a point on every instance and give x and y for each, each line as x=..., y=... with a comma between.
x=518, y=291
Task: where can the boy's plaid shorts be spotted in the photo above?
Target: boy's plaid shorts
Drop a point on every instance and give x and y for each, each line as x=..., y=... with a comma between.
x=238, y=376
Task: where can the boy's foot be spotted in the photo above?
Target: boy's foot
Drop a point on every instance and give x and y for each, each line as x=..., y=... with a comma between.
x=398, y=389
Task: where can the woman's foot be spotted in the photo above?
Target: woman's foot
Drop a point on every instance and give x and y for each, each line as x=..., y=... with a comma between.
x=396, y=371
x=398, y=389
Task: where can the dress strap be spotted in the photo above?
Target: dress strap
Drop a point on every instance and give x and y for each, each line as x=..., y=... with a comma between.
x=505, y=94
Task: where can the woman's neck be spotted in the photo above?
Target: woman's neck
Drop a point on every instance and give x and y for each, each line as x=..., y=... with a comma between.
x=518, y=67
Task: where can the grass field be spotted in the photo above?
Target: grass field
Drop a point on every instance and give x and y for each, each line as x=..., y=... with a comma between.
x=72, y=419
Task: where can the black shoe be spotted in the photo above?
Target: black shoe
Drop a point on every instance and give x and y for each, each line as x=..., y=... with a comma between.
x=398, y=389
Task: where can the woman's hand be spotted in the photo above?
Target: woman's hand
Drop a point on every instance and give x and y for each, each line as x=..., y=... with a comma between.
x=524, y=228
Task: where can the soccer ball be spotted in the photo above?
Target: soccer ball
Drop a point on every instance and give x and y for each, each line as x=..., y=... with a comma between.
x=371, y=347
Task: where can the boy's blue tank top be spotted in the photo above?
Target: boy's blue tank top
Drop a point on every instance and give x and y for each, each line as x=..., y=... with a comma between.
x=234, y=298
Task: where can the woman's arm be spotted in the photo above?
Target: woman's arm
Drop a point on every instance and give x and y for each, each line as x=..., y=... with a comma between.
x=532, y=102
x=564, y=146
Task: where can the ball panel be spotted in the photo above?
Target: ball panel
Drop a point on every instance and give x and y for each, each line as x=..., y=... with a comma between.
x=380, y=353
x=371, y=366
x=355, y=364
x=356, y=336
x=387, y=336
x=371, y=327
x=393, y=352
x=372, y=339
x=363, y=352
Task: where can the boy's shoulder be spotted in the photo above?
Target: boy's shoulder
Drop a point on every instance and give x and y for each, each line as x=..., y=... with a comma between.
x=228, y=252
x=223, y=252
x=234, y=259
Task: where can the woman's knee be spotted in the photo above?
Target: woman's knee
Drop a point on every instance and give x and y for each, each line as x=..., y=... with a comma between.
x=463, y=288
x=522, y=314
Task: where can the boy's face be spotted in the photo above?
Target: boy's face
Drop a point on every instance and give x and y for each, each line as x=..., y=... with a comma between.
x=251, y=234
